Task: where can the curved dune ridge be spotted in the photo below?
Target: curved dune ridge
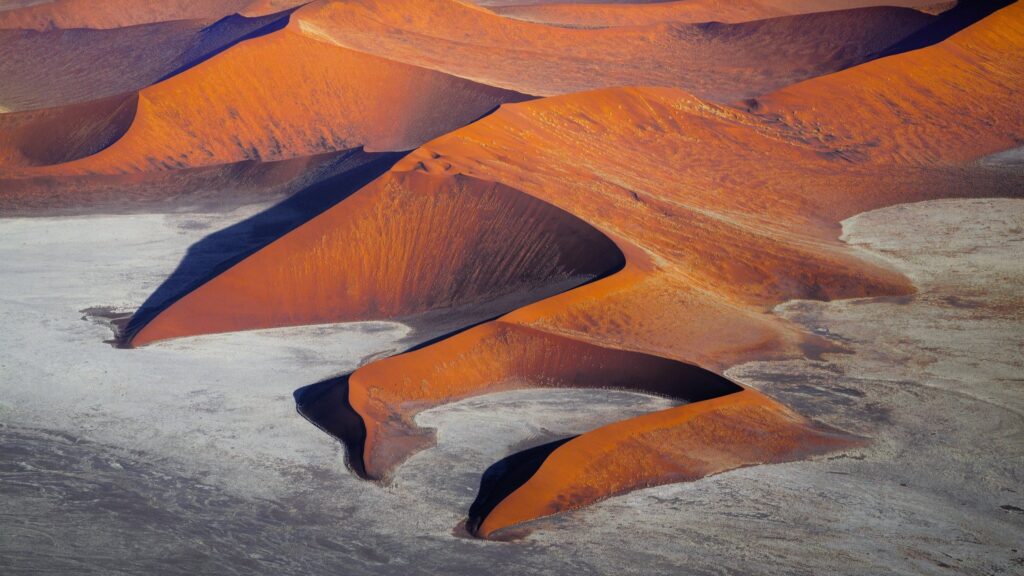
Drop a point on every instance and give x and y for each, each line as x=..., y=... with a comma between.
x=722, y=62
x=66, y=14
x=604, y=14
x=277, y=97
x=49, y=68
x=720, y=214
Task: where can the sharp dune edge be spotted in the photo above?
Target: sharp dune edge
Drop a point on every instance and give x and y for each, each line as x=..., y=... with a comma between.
x=105, y=62
x=720, y=214
x=693, y=11
x=65, y=14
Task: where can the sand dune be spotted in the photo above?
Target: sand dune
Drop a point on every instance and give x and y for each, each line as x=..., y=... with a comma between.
x=628, y=237
x=603, y=14
x=66, y=14
x=94, y=64
x=716, y=61
x=275, y=97
x=720, y=213
x=508, y=244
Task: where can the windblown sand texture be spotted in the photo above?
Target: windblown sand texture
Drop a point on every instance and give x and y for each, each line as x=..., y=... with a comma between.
x=655, y=179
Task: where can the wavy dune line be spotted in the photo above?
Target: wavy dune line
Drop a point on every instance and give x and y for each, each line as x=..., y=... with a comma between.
x=720, y=214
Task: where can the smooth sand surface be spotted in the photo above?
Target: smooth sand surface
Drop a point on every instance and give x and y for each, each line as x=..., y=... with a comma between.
x=188, y=455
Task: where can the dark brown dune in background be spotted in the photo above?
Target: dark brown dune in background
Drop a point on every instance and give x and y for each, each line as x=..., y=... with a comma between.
x=66, y=14
x=721, y=213
x=56, y=67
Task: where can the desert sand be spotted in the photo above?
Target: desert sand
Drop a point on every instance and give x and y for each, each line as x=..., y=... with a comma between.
x=423, y=287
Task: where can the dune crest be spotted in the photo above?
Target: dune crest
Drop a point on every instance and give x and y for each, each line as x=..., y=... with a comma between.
x=66, y=14
x=604, y=14
x=722, y=62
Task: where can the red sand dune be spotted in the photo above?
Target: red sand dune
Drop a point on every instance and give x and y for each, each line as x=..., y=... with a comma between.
x=285, y=95
x=720, y=214
x=629, y=14
x=49, y=68
x=721, y=62
x=65, y=14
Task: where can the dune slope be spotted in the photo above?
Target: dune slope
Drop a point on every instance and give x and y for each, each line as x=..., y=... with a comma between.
x=66, y=14
x=45, y=69
x=722, y=62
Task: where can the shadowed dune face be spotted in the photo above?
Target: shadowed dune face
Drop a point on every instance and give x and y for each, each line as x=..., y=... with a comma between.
x=407, y=244
x=64, y=14
x=50, y=68
x=57, y=135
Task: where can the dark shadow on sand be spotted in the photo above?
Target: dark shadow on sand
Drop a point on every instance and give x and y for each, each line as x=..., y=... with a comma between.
x=326, y=406
x=964, y=14
x=221, y=250
x=226, y=33
x=504, y=477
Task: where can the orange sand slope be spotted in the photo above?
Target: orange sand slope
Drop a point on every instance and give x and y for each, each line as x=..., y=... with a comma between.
x=718, y=61
x=50, y=68
x=719, y=213
x=66, y=14
x=730, y=11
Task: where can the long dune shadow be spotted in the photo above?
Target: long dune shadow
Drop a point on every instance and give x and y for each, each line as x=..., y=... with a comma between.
x=221, y=250
x=326, y=406
x=504, y=477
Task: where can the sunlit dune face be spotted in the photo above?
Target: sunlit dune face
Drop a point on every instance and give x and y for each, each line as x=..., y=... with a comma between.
x=723, y=62
x=417, y=243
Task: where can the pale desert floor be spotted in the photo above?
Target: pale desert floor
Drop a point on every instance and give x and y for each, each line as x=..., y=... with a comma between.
x=188, y=456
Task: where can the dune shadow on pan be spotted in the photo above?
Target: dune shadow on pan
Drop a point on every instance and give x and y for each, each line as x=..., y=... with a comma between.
x=326, y=405
x=219, y=251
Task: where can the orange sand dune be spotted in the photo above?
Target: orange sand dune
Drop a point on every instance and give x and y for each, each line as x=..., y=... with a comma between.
x=276, y=97
x=43, y=69
x=721, y=62
x=67, y=14
x=720, y=214
x=732, y=11
x=508, y=245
